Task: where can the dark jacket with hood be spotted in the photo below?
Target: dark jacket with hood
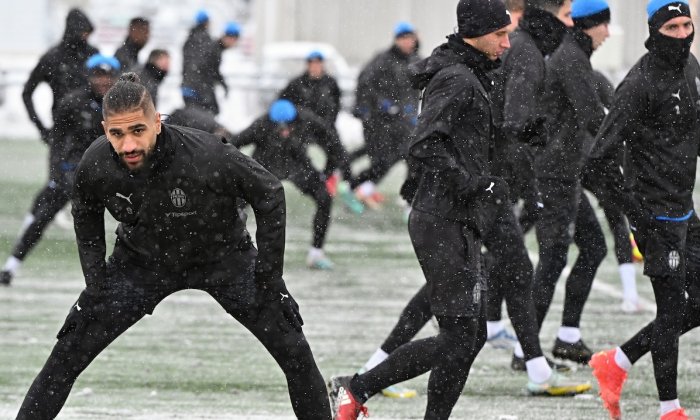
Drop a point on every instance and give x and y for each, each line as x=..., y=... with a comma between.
x=574, y=108
x=282, y=149
x=321, y=96
x=78, y=124
x=128, y=55
x=62, y=67
x=449, y=151
x=656, y=114
x=178, y=212
x=201, y=59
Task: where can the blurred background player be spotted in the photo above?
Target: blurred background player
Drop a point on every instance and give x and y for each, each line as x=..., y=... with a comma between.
x=154, y=71
x=387, y=104
x=655, y=114
x=138, y=35
x=281, y=137
x=78, y=122
x=201, y=61
x=574, y=112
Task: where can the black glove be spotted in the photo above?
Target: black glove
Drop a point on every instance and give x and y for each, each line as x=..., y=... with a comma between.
x=274, y=299
x=535, y=132
x=89, y=307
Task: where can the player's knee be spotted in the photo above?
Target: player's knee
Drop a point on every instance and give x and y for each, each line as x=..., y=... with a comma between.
x=554, y=256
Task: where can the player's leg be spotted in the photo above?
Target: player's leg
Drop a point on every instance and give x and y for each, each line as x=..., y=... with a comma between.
x=590, y=241
x=623, y=252
x=92, y=324
x=311, y=183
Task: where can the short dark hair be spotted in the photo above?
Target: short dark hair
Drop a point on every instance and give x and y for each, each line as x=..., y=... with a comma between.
x=155, y=54
x=126, y=95
x=551, y=6
x=515, y=5
x=138, y=22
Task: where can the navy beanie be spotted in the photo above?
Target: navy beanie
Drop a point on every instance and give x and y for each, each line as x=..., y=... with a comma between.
x=476, y=18
x=589, y=13
x=661, y=11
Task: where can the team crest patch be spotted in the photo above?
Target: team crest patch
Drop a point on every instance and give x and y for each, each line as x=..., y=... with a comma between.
x=674, y=259
x=178, y=197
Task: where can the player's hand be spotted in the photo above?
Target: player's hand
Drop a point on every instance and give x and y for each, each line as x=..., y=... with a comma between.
x=390, y=107
x=46, y=136
x=89, y=307
x=279, y=307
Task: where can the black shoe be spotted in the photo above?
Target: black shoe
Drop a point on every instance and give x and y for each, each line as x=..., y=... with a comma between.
x=576, y=352
x=5, y=278
x=518, y=364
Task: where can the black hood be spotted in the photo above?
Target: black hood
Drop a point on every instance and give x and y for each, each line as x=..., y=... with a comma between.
x=77, y=23
x=454, y=51
x=545, y=29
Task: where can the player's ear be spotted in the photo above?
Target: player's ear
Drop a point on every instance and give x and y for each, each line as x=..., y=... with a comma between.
x=157, y=122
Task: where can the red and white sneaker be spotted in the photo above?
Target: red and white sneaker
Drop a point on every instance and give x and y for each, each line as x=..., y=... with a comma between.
x=678, y=414
x=345, y=405
x=610, y=378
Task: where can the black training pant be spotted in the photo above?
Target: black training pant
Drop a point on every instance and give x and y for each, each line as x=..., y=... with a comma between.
x=567, y=216
x=672, y=260
x=311, y=183
x=132, y=292
x=448, y=253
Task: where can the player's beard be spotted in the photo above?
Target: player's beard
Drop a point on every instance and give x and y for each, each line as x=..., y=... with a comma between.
x=144, y=154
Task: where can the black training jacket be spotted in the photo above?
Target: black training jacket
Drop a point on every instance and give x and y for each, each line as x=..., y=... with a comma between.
x=179, y=211
x=282, y=148
x=574, y=108
x=195, y=117
x=151, y=77
x=452, y=139
x=78, y=124
x=655, y=113
x=321, y=96
x=62, y=67
x=201, y=59
x=128, y=55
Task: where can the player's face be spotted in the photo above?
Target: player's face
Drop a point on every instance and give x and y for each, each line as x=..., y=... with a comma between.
x=407, y=43
x=564, y=14
x=101, y=82
x=133, y=135
x=680, y=27
x=493, y=44
x=598, y=34
x=315, y=69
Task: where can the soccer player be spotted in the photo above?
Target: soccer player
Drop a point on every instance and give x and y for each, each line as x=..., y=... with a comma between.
x=450, y=148
x=201, y=59
x=281, y=137
x=655, y=114
x=139, y=33
x=78, y=121
x=575, y=112
x=387, y=104
x=173, y=191
x=154, y=71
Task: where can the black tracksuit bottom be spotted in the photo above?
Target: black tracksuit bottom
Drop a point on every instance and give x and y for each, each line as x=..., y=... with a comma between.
x=50, y=200
x=567, y=216
x=672, y=260
x=310, y=182
x=132, y=292
x=510, y=275
x=386, y=139
x=448, y=253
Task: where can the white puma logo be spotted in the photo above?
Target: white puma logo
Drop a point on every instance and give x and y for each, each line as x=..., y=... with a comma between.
x=283, y=296
x=677, y=95
x=120, y=195
x=676, y=8
x=678, y=109
x=77, y=306
x=490, y=188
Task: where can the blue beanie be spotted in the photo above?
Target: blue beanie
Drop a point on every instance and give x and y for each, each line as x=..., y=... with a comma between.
x=232, y=29
x=403, y=28
x=315, y=55
x=584, y=8
x=654, y=5
x=102, y=62
x=282, y=111
x=201, y=17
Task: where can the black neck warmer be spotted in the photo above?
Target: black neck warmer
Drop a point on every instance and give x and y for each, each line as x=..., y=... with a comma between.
x=584, y=41
x=544, y=27
x=673, y=51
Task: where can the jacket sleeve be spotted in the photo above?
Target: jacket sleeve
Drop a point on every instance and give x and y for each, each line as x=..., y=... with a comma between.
x=519, y=95
x=88, y=214
x=335, y=92
x=431, y=145
x=39, y=74
x=336, y=155
x=248, y=136
x=265, y=194
x=579, y=87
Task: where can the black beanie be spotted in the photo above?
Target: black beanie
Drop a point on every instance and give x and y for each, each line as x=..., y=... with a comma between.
x=480, y=17
x=661, y=11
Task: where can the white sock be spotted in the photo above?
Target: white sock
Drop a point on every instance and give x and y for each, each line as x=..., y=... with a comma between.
x=628, y=277
x=12, y=264
x=494, y=327
x=538, y=370
x=366, y=188
x=518, y=351
x=569, y=334
x=668, y=406
x=378, y=357
x=622, y=360
x=315, y=253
